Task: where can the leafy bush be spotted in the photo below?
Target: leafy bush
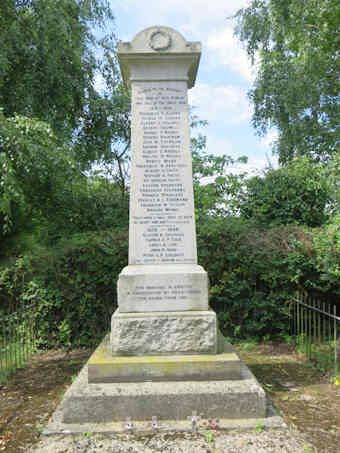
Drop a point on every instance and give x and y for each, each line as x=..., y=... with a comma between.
x=34, y=169
x=72, y=286
x=249, y=283
x=253, y=273
x=327, y=245
x=91, y=204
x=295, y=194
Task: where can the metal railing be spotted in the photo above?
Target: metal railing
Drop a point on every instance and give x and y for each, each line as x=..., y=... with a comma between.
x=316, y=328
x=17, y=340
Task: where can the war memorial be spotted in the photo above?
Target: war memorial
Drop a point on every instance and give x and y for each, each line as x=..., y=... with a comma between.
x=165, y=356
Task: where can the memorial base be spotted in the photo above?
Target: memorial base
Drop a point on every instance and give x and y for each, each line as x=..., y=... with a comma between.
x=164, y=333
x=85, y=402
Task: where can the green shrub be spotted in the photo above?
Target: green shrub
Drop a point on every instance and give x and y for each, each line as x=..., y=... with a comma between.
x=253, y=272
x=72, y=286
x=297, y=193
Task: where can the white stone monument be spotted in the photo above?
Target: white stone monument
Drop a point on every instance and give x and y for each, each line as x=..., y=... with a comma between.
x=162, y=293
x=163, y=357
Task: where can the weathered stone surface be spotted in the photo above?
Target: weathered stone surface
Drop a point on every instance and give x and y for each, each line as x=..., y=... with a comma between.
x=102, y=367
x=164, y=333
x=104, y=403
x=162, y=288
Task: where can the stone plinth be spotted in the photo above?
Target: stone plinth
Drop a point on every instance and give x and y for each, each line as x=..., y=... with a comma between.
x=164, y=333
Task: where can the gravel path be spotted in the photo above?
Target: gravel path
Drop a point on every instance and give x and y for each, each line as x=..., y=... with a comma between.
x=267, y=441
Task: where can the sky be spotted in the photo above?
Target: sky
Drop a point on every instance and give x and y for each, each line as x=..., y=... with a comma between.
x=224, y=75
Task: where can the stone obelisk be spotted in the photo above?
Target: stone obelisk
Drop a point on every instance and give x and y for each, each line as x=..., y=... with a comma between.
x=162, y=358
x=162, y=293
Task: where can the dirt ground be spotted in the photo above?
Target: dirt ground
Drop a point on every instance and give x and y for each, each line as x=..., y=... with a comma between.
x=32, y=394
x=304, y=397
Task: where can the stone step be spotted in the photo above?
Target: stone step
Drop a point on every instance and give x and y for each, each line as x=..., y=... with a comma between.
x=103, y=368
x=111, y=402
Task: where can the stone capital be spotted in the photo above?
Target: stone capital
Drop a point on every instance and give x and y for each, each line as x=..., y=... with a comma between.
x=159, y=54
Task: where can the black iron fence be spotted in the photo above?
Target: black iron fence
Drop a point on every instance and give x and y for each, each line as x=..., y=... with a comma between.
x=316, y=328
x=17, y=340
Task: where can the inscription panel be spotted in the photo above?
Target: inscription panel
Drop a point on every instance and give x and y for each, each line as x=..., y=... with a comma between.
x=162, y=226
x=160, y=293
x=181, y=289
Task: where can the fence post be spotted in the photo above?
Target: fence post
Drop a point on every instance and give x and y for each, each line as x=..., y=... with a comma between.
x=310, y=325
x=298, y=318
x=319, y=322
x=335, y=343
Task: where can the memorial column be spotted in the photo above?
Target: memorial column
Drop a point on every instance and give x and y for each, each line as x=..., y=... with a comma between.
x=162, y=275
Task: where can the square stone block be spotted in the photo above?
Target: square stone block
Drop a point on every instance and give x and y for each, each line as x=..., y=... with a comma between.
x=164, y=333
x=150, y=288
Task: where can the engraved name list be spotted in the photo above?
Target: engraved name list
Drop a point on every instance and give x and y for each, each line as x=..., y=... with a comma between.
x=163, y=214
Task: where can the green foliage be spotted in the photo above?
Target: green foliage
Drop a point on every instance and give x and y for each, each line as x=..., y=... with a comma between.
x=71, y=83
x=327, y=246
x=72, y=224
x=259, y=426
x=63, y=109
x=42, y=188
x=296, y=45
x=33, y=169
x=249, y=282
x=89, y=204
x=48, y=60
x=104, y=137
x=298, y=193
x=214, y=188
x=254, y=272
x=72, y=287
x=332, y=171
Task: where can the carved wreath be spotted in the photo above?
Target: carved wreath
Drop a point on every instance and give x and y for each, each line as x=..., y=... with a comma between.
x=160, y=40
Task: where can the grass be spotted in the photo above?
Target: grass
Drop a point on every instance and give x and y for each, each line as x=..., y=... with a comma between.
x=322, y=355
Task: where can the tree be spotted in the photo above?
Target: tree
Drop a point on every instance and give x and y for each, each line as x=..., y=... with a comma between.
x=33, y=170
x=296, y=45
x=47, y=58
x=55, y=119
x=297, y=193
x=215, y=189
x=50, y=61
x=105, y=134
x=41, y=185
